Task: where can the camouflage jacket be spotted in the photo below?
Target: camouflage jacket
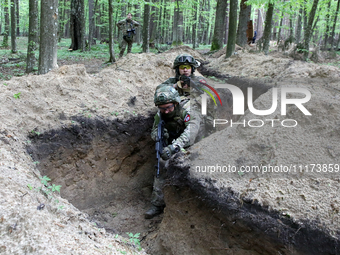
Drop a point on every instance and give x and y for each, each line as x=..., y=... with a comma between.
x=182, y=128
x=174, y=80
x=124, y=25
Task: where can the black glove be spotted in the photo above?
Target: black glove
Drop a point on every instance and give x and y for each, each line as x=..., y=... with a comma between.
x=168, y=151
x=185, y=79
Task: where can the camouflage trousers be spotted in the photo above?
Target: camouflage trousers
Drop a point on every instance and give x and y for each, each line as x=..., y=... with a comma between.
x=157, y=196
x=123, y=47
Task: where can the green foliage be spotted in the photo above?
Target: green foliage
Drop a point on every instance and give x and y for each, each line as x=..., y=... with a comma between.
x=17, y=96
x=134, y=239
x=44, y=180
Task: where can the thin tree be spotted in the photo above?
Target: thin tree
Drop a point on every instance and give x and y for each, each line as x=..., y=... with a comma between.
x=232, y=28
x=194, y=27
x=308, y=30
x=217, y=41
x=177, y=25
x=268, y=27
x=32, y=35
x=6, y=32
x=92, y=13
x=17, y=17
x=334, y=24
x=61, y=20
x=299, y=26
x=138, y=19
x=48, y=36
x=111, y=43
x=146, y=22
x=328, y=19
x=241, y=37
x=13, y=27
x=280, y=28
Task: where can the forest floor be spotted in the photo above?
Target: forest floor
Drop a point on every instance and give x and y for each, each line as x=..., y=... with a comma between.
x=96, y=59
x=89, y=131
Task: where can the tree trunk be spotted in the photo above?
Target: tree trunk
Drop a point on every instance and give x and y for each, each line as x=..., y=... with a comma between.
x=241, y=37
x=280, y=29
x=6, y=32
x=299, y=26
x=13, y=28
x=178, y=25
x=146, y=22
x=61, y=20
x=153, y=24
x=138, y=19
x=327, y=25
x=77, y=25
x=194, y=27
x=268, y=28
x=207, y=38
x=275, y=24
x=291, y=29
x=111, y=43
x=308, y=31
x=92, y=24
x=334, y=24
x=232, y=28
x=48, y=36
x=32, y=35
x=226, y=29
x=305, y=17
x=217, y=41
x=18, y=17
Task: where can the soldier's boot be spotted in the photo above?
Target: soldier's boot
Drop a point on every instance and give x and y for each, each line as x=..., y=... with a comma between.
x=153, y=211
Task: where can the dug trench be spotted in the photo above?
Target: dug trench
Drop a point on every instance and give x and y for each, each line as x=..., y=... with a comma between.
x=106, y=170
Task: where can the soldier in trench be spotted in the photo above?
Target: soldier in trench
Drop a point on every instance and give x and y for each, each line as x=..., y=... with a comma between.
x=184, y=65
x=180, y=131
x=189, y=86
x=127, y=27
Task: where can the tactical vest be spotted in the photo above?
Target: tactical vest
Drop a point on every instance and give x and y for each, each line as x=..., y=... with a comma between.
x=176, y=125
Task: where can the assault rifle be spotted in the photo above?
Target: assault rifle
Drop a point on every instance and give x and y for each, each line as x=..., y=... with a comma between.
x=160, y=144
x=187, y=80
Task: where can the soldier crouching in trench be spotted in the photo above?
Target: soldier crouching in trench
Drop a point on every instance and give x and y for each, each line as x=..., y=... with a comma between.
x=180, y=129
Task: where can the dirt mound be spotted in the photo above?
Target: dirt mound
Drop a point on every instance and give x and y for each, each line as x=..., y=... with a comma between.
x=33, y=105
x=306, y=182
x=84, y=128
x=259, y=65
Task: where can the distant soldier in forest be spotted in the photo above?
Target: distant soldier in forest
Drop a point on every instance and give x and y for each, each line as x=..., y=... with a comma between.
x=127, y=27
x=175, y=127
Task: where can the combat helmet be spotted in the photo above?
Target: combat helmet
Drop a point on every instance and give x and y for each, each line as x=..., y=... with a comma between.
x=183, y=59
x=165, y=95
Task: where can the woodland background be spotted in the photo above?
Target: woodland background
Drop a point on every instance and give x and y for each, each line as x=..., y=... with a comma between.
x=165, y=23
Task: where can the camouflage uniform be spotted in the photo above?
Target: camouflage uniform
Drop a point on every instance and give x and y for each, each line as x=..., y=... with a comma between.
x=193, y=93
x=126, y=26
x=182, y=128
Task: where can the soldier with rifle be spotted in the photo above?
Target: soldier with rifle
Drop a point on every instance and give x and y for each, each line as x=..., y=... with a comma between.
x=175, y=128
x=184, y=65
x=127, y=27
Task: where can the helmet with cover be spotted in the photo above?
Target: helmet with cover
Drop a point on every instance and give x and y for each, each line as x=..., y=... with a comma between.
x=184, y=59
x=165, y=95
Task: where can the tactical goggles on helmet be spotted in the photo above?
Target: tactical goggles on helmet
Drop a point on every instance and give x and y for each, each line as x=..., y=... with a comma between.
x=183, y=59
x=185, y=66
